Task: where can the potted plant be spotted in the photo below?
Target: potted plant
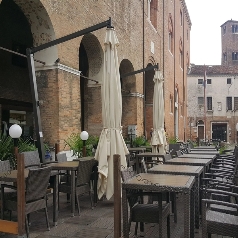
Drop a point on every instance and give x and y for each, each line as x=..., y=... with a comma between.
x=173, y=144
x=140, y=141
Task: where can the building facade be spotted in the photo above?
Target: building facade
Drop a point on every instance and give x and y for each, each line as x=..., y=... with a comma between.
x=229, y=43
x=150, y=32
x=216, y=117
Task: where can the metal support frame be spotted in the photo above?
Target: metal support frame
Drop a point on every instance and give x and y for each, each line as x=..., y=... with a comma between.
x=31, y=67
x=156, y=66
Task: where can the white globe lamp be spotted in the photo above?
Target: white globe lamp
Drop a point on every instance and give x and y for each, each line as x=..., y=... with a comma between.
x=84, y=137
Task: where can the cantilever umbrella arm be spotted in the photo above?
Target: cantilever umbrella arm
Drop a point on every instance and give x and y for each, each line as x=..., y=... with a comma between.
x=31, y=66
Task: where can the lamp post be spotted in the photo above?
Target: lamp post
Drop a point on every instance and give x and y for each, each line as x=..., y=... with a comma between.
x=15, y=132
x=84, y=137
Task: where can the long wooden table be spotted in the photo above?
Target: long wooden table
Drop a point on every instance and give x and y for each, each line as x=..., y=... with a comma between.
x=196, y=171
x=162, y=183
x=206, y=163
x=198, y=156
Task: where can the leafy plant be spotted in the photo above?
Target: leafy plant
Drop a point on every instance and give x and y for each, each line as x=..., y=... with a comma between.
x=140, y=141
x=173, y=140
x=25, y=145
x=222, y=149
x=75, y=144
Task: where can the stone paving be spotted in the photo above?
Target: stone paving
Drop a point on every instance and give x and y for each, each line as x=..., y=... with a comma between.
x=96, y=223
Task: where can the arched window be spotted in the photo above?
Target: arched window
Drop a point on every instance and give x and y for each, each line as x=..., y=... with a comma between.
x=170, y=30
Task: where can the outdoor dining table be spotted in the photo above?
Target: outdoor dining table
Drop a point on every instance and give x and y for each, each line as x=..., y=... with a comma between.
x=206, y=163
x=196, y=171
x=12, y=177
x=136, y=150
x=198, y=156
x=72, y=167
x=162, y=183
x=204, y=152
x=146, y=155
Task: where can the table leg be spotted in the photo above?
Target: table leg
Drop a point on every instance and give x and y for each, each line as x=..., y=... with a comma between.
x=125, y=215
x=197, y=202
x=188, y=214
x=55, y=199
x=73, y=192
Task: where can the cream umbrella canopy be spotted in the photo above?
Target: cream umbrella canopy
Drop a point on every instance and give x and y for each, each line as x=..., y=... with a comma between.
x=158, y=140
x=111, y=141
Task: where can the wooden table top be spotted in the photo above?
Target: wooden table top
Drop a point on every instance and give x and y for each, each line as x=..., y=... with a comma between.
x=190, y=161
x=176, y=169
x=11, y=176
x=198, y=156
x=206, y=152
x=136, y=149
x=149, y=154
x=160, y=182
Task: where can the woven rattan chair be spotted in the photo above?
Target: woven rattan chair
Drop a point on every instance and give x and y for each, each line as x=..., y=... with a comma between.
x=36, y=187
x=149, y=212
x=82, y=186
x=31, y=159
x=221, y=222
x=8, y=192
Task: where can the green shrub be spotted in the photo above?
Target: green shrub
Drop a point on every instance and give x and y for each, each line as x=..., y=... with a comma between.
x=140, y=141
x=173, y=140
x=75, y=144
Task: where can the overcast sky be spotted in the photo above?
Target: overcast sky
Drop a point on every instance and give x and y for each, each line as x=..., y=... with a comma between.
x=207, y=16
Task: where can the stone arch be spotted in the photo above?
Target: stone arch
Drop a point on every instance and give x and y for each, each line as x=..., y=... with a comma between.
x=129, y=102
x=41, y=28
x=25, y=24
x=149, y=93
x=90, y=65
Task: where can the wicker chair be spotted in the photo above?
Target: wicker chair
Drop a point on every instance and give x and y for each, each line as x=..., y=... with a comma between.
x=150, y=212
x=221, y=222
x=32, y=159
x=8, y=192
x=36, y=187
x=82, y=186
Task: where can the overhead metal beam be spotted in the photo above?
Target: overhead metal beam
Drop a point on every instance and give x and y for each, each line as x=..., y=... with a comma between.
x=72, y=36
x=156, y=66
x=34, y=91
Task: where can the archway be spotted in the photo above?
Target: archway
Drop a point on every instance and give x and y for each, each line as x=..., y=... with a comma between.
x=129, y=103
x=23, y=24
x=149, y=93
x=90, y=65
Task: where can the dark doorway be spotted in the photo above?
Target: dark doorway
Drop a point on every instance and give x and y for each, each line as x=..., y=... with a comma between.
x=219, y=132
x=201, y=132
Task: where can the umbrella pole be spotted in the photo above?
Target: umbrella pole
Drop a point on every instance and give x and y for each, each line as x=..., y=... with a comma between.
x=117, y=195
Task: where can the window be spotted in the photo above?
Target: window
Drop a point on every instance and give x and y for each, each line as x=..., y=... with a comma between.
x=187, y=34
x=234, y=28
x=228, y=80
x=200, y=81
x=170, y=29
x=209, y=81
x=171, y=103
x=153, y=12
x=224, y=30
x=225, y=57
x=229, y=103
x=209, y=103
x=181, y=59
x=200, y=100
x=181, y=18
x=234, y=55
x=235, y=103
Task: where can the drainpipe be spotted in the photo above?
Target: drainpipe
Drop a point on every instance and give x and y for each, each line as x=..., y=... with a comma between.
x=143, y=66
x=174, y=74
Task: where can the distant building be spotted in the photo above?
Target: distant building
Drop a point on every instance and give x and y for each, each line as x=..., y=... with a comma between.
x=229, y=43
x=220, y=114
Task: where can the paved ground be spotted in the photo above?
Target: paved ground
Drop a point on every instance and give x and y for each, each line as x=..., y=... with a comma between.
x=96, y=223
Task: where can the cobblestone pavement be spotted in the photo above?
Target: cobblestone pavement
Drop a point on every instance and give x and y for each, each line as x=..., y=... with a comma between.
x=96, y=223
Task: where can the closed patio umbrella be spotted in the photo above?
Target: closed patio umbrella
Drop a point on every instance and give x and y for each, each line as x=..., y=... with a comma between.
x=158, y=140
x=111, y=141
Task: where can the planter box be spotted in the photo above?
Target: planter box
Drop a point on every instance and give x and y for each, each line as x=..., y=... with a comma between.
x=174, y=147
